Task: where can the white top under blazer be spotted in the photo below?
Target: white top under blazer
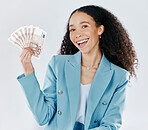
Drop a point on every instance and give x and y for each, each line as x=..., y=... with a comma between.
x=84, y=91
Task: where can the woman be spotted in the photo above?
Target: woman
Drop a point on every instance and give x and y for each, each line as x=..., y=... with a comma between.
x=85, y=84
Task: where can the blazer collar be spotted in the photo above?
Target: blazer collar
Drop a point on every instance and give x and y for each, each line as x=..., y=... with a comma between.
x=75, y=61
x=99, y=84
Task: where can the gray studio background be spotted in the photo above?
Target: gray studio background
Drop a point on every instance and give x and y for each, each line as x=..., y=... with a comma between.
x=52, y=16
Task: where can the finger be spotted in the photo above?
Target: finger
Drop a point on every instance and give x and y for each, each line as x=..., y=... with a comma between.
x=25, y=50
x=27, y=58
x=23, y=57
x=29, y=54
x=29, y=49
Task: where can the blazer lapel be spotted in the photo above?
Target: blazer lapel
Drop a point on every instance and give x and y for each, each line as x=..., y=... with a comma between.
x=99, y=84
x=73, y=80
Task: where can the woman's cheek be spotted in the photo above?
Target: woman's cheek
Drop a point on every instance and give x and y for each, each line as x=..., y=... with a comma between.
x=87, y=33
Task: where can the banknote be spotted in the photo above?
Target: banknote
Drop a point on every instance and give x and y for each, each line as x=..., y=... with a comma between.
x=29, y=36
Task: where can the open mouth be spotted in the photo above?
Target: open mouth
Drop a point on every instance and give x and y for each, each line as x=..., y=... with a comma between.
x=82, y=43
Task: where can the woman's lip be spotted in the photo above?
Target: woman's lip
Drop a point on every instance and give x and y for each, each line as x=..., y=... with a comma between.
x=82, y=45
x=81, y=40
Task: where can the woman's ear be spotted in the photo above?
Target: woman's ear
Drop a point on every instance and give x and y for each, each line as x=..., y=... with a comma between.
x=100, y=29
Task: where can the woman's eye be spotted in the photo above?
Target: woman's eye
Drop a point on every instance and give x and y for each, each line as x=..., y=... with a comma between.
x=71, y=30
x=84, y=26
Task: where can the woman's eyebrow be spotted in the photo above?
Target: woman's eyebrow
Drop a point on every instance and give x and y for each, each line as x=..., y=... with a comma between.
x=80, y=23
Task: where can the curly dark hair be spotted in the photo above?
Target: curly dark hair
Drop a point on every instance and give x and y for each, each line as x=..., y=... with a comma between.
x=114, y=43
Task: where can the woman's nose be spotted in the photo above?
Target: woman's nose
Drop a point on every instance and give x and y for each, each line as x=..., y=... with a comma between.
x=78, y=35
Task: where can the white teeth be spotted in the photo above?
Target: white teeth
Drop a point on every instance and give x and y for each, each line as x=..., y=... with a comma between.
x=82, y=41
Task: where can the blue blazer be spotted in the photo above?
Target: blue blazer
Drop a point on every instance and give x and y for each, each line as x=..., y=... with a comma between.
x=57, y=103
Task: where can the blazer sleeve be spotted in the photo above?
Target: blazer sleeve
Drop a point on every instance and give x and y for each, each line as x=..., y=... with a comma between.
x=41, y=103
x=112, y=119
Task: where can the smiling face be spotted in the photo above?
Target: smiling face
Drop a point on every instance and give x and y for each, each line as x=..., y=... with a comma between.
x=83, y=30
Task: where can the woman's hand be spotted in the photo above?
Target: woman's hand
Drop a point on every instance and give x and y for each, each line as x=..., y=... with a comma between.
x=25, y=58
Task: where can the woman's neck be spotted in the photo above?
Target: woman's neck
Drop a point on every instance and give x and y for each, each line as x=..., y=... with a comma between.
x=91, y=58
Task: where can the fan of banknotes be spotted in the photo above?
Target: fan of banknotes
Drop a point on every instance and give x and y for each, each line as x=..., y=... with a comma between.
x=29, y=36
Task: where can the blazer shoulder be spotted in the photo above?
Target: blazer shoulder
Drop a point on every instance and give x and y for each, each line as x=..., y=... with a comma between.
x=120, y=73
x=60, y=59
x=118, y=69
